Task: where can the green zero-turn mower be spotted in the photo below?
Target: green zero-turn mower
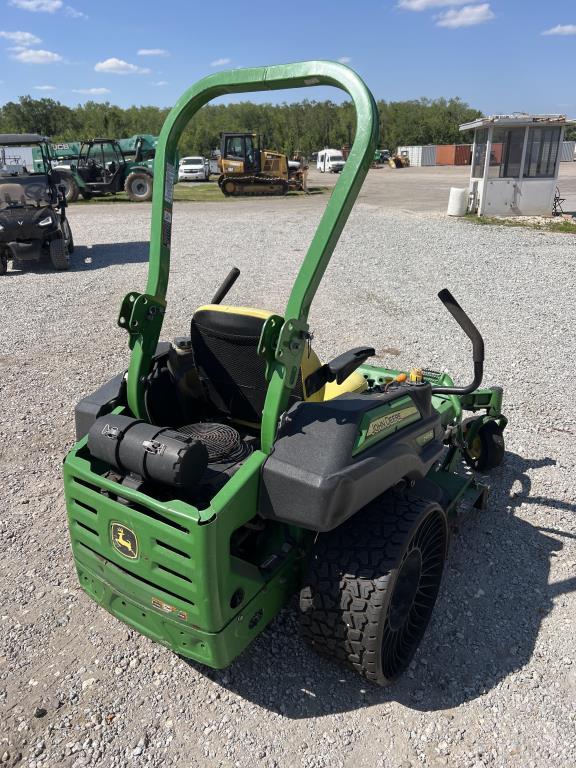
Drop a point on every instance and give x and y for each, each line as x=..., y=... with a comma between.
x=228, y=470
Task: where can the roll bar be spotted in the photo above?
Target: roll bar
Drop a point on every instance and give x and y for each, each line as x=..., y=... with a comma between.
x=141, y=314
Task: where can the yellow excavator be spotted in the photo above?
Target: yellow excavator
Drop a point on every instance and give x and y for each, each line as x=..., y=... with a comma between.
x=246, y=169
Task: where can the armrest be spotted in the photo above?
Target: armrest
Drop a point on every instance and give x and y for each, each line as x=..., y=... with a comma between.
x=338, y=369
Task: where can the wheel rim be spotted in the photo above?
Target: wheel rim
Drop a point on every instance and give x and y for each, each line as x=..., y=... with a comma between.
x=475, y=448
x=139, y=188
x=414, y=594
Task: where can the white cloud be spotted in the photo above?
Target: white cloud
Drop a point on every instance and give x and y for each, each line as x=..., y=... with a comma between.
x=161, y=82
x=219, y=62
x=38, y=6
x=36, y=56
x=91, y=91
x=153, y=52
x=423, y=5
x=561, y=29
x=468, y=16
x=44, y=87
x=73, y=13
x=115, y=66
x=21, y=38
x=344, y=59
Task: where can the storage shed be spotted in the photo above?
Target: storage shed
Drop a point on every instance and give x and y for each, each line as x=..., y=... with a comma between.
x=568, y=152
x=515, y=163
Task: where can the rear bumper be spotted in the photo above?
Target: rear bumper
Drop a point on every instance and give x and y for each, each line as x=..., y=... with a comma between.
x=126, y=599
x=179, y=590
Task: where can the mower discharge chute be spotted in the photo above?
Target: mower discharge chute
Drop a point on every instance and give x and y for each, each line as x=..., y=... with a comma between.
x=229, y=469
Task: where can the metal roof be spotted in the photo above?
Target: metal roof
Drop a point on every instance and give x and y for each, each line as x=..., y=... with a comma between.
x=21, y=139
x=516, y=119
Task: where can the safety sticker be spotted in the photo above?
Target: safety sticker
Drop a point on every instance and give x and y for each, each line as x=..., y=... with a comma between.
x=169, y=183
x=166, y=227
x=166, y=608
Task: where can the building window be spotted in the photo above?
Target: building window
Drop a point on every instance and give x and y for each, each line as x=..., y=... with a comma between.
x=542, y=153
x=479, y=153
x=506, y=153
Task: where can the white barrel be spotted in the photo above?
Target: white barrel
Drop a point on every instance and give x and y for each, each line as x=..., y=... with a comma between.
x=457, y=202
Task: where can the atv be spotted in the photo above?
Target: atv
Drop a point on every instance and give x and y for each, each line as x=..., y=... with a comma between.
x=33, y=220
x=230, y=469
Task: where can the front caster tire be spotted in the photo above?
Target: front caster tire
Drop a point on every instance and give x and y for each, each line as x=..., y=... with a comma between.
x=68, y=237
x=486, y=449
x=372, y=584
x=59, y=253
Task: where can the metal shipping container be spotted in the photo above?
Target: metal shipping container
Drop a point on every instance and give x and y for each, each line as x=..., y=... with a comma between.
x=453, y=154
x=567, y=151
x=419, y=155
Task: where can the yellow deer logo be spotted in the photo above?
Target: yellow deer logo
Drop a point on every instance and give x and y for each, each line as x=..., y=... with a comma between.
x=124, y=541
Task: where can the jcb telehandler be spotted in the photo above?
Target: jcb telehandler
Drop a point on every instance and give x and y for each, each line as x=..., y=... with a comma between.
x=246, y=169
x=230, y=469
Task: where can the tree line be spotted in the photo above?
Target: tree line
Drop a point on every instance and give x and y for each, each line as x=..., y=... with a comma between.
x=301, y=127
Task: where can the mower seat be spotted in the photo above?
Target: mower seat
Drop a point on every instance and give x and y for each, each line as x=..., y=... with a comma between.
x=225, y=346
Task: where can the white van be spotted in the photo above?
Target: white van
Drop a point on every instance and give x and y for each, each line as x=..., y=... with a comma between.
x=330, y=160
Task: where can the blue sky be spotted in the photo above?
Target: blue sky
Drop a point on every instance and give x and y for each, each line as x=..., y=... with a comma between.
x=500, y=56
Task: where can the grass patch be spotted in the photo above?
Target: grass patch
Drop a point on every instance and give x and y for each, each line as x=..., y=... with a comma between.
x=554, y=225
x=197, y=193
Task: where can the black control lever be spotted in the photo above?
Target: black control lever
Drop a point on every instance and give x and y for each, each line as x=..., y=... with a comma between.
x=229, y=281
x=338, y=369
x=477, y=345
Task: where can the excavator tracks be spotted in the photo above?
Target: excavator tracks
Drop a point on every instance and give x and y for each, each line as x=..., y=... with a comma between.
x=246, y=186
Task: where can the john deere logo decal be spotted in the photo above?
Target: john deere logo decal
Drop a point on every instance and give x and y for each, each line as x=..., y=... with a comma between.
x=124, y=540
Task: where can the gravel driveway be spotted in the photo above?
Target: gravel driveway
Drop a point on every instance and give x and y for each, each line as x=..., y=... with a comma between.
x=494, y=682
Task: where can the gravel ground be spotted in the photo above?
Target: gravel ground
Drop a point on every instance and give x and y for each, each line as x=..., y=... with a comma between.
x=493, y=683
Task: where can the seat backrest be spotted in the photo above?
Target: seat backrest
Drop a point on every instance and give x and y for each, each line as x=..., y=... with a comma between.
x=225, y=345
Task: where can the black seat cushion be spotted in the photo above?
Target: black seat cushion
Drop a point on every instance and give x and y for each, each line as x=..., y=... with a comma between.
x=225, y=346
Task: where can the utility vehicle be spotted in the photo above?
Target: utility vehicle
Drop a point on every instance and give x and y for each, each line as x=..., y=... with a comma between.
x=102, y=168
x=230, y=469
x=33, y=219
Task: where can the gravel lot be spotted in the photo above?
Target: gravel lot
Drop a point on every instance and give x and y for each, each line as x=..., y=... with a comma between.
x=494, y=682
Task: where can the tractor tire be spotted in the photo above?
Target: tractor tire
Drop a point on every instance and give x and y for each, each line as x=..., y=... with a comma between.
x=86, y=194
x=487, y=448
x=372, y=584
x=71, y=188
x=59, y=253
x=3, y=262
x=68, y=237
x=138, y=187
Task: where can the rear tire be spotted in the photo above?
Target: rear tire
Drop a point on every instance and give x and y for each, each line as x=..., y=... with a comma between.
x=138, y=187
x=372, y=584
x=59, y=253
x=3, y=262
x=71, y=188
